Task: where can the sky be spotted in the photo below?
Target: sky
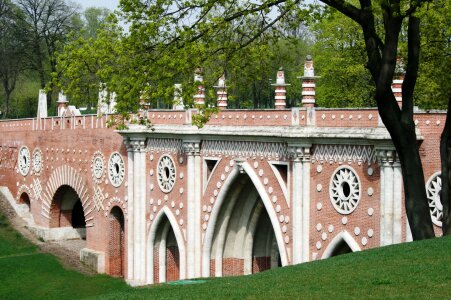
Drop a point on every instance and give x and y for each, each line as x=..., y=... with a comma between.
x=110, y=4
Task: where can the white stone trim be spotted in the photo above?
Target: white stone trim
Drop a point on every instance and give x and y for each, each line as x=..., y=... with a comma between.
x=342, y=236
x=282, y=184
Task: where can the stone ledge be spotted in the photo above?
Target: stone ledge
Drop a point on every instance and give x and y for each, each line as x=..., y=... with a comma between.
x=93, y=259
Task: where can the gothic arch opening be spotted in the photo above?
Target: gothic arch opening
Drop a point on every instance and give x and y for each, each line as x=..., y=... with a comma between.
x=341, y=244
x=243, y=240
x=66, y=209
x=116, y=242
x=341, y=248
x=166, y=253
x=25, y=199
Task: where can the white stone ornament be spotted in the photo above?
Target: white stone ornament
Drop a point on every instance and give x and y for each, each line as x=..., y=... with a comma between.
x=37, y=161
x=24, y=160
x=97, y=166
x=433, y=190
x=166, y=173
x=344, y=190
x=116, y=169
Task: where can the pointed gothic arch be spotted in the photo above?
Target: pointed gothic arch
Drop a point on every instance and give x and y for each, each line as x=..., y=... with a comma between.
x=219, y=236
x=165, y=231
x=343, y=239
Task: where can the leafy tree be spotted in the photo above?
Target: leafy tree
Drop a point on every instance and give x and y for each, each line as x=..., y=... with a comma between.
x=168, y=39
x=13, y=48
x=50, y=22
x=340, y=58
x=94, y=18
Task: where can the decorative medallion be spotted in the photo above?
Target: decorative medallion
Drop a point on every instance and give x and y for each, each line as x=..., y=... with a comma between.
x=344, y=190
x=24, y=160
x=116, y=169
x=97, y=166
x=37, y=161
x=433, y=190
x=166, y=173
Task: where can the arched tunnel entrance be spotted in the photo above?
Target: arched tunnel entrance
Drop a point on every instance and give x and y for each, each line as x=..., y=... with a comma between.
x=243, y=240
x=66, y=210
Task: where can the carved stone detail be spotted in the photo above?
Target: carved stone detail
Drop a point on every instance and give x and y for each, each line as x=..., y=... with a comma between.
x=191, y=147
x=276, y=151
x=345, y=153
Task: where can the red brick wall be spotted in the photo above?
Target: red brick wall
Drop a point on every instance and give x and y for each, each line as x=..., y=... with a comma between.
x=232, y=266
x=116, y=248
x=260, y=264
x=172, y=263
x=156, y=265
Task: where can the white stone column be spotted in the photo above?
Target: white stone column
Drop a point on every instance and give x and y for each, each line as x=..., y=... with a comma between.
x=130, y=211
x=397, y=203
x=139, y=209
x=306, y=164
x=300, y=201
x=194, y=193
x=391, y=198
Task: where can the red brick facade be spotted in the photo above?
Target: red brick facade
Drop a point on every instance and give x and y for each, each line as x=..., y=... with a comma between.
x=235, y=149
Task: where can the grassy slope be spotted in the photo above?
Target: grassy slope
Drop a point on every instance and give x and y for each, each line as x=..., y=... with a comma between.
x=420, y=270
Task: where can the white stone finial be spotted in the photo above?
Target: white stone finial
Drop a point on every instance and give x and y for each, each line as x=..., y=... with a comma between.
x=42, y=104
x=199, y=98
x=178, y=100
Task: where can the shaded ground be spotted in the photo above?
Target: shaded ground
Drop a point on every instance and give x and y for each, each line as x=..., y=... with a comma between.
x=68, y=252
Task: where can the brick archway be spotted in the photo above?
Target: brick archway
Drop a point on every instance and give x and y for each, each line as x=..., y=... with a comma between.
x=68, y=176
x=224, y=206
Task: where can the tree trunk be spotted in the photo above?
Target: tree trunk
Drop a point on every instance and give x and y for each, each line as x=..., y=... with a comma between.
x=445, y=156
x=417, y=207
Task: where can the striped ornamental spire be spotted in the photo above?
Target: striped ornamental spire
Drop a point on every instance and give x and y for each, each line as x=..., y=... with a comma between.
x=308, y=83
x=221, y=93
x=280, y=98
x=398, y=79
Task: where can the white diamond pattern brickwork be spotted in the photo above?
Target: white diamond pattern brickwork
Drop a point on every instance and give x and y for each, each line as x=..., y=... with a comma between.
x=98, y=198
x=433, y=189
x=245, y=149
x=344, y=153
x=165, y=145
x=344, y=190
x=37, y=188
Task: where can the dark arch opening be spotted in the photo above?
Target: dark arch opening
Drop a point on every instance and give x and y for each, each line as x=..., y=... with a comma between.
x=24, y=199
x=341, y=248
x=78, y=217
x=116, y=243
x=66, y=209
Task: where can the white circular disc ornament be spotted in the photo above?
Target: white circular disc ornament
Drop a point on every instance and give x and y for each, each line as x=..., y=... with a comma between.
x=24, y=160
x=433, y=191
x=116, y=169
x=37, y=161
x=344, y=190
x=166, y=173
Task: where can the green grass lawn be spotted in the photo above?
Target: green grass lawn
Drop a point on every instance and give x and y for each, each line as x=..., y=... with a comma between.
x=420, y=270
